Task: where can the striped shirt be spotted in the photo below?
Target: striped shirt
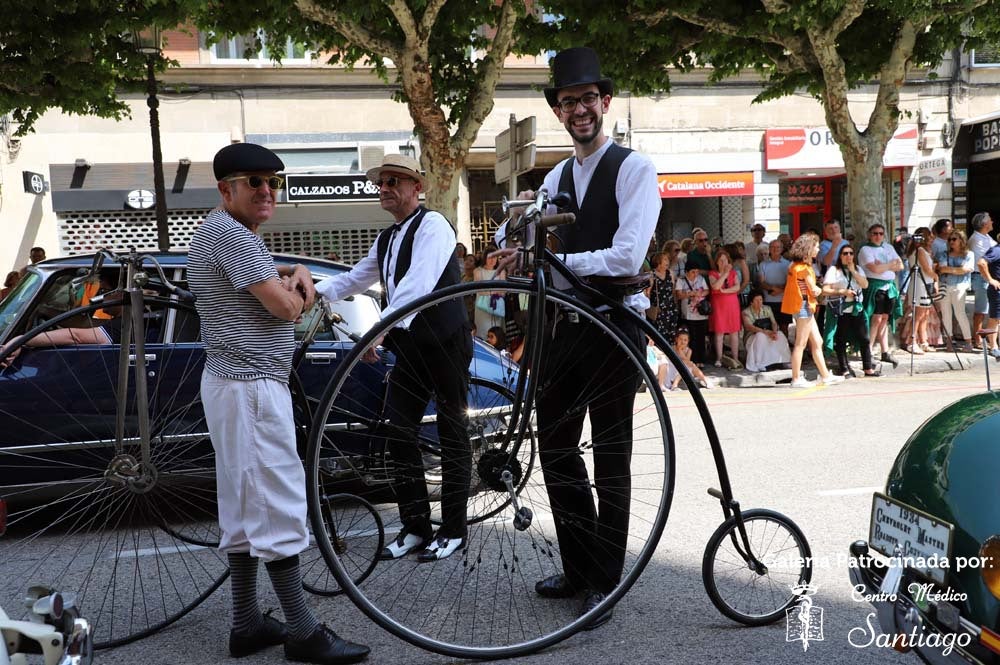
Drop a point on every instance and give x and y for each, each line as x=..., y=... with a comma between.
x=243, y=340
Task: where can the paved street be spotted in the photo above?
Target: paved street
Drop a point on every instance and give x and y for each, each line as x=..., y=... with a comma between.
x=815, y=454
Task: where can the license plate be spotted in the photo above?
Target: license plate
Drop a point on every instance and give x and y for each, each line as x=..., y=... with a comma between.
x=924, y=541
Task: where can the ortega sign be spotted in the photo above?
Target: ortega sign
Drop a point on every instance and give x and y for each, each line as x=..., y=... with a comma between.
x=310, y=188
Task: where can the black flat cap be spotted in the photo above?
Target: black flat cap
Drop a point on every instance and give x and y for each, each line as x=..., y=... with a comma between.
x=244, y=157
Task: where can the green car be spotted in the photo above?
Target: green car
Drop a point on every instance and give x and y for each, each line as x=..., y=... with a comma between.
x=931, y=565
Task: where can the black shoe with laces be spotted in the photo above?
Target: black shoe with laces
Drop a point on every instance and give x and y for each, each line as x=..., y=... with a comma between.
x=325, y=647
x=270, y=633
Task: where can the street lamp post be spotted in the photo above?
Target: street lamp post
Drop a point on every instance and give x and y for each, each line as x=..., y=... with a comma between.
x=148, y=43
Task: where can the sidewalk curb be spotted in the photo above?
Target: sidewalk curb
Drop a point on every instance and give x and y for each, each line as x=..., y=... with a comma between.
x=938, y=362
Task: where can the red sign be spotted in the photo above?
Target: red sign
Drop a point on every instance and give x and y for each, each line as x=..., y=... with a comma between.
x=685, y=185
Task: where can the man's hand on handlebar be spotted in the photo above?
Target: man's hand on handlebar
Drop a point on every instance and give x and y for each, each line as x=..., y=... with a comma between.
x=509, y=259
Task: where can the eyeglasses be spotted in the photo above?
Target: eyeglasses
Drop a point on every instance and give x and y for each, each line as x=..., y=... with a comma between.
x=255, y=181
x=877, y=233
x=847, y=253
x=701, y=239
x=953, y=239
x=391, y=181
x=568, y=104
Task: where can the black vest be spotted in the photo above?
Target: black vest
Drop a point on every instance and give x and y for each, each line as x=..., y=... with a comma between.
x=434, y=323
x=597, y=219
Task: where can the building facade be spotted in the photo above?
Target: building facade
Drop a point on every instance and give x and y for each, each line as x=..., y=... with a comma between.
x=725, y=163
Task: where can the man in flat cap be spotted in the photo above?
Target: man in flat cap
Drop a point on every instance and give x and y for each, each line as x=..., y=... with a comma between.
x=247, y=307
x=614, y=194
x=411, y=258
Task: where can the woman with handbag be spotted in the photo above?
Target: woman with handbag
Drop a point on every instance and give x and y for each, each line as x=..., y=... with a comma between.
x=765, y=344
x=922, y=290
x=662, y=310
x=800, y=301
x=844, y=285
x=490, y=308
x=955, y=265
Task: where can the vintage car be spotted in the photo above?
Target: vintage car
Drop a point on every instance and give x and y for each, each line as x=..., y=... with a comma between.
x=931, y=565
x=57, y=405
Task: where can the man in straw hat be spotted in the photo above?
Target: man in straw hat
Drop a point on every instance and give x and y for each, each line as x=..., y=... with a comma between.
x=411, y=258
x=247, y=307
x=614, y=194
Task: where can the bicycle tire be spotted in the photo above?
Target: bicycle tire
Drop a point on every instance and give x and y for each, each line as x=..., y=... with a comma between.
x=486, y=606
x=135, y=546
x=745, y=595
x=358, y=538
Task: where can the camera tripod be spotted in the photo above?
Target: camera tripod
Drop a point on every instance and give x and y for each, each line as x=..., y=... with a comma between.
x=910, y=286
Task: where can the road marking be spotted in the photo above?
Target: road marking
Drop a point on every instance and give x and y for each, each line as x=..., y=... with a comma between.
x=149, y=551
x=850, y=491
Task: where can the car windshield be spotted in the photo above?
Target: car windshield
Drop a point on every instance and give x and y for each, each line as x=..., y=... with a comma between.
x=15, y=303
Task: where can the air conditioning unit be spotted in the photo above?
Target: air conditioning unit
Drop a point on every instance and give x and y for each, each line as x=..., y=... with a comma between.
x=621, y=127
x=370, y=155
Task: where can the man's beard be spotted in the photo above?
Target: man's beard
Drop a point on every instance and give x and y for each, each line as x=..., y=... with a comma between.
x=585, y=139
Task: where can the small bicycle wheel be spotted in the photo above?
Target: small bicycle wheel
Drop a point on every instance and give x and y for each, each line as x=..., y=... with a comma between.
x=357, y=536
x=481, y=601
x=133, y=536
x=747, y=593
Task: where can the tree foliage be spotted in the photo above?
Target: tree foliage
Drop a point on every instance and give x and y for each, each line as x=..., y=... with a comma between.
x=826, y=47
x=445, y=56
x=75, y=55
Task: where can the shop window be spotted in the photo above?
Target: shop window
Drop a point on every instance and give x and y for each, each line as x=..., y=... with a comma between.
x=986, y=56
x=234, y=50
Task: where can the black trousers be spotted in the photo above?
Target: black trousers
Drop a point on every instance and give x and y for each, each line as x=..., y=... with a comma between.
x=697, y=337
x=440, y=369
x=852, y=326
x=582, y=370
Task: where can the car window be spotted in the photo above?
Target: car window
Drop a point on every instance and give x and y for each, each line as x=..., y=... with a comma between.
x=18, y=299
x=359, y=312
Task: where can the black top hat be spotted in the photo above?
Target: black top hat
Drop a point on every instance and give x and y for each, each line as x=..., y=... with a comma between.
x=576, y=66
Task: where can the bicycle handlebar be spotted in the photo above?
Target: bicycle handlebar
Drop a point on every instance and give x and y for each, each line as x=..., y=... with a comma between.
x=137, y=261
x=559, y=219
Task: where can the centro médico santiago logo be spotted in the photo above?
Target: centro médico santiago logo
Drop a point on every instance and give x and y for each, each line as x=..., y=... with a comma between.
x=804, y=621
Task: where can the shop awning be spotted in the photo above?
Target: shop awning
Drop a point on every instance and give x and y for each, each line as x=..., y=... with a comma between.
x=122, y=186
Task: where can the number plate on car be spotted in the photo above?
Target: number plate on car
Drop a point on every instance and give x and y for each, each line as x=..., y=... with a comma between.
x=923, y=540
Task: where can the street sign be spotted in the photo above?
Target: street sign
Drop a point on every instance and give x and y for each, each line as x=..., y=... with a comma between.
x=140, y=199
x=515, y=151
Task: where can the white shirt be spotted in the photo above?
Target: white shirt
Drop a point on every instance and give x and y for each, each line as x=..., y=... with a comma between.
x=882, y=254
x=979, y=243
x=433, y=247
x=638, y=198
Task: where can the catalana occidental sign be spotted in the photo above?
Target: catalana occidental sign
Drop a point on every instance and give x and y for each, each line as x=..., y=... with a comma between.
x=310, y=188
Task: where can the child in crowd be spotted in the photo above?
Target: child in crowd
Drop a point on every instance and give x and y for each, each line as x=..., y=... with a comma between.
x=496, y=338
x=684, y=351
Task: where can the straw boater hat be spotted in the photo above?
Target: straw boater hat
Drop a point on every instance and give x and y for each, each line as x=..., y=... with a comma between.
x=576, y=66
x=400, y=165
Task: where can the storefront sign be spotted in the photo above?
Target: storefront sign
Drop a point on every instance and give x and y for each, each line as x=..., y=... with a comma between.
x=686, y=185
x=814, y=148
x=794, y=193
x=933, y=170
x=319, y=188
x=140, y=199
x=34, y=183
x=986, y=140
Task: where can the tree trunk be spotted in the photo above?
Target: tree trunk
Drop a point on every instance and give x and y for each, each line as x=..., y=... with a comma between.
x=442, y=189
x=864, y=193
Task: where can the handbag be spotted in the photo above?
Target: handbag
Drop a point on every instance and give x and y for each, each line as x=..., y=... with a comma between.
x=492, y=303
x=763, y=324
x=704, y=307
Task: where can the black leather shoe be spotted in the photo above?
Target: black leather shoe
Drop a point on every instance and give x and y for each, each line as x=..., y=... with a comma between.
x=556, y=586
x=590, y=601
x=324, y=647
x=886, y=358
x=271, y=633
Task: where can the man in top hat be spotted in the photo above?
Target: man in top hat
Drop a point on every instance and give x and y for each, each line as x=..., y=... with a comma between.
x=411, y=258
x=247, y=307
x=614, y=193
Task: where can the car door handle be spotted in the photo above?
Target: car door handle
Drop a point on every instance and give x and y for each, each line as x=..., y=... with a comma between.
x=317, y=358
x=150, y=357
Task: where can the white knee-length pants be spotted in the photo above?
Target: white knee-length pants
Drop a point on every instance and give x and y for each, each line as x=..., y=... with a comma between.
x=260, y=479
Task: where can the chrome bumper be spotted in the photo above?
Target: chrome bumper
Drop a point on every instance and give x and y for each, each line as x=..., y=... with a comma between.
x=934, y=631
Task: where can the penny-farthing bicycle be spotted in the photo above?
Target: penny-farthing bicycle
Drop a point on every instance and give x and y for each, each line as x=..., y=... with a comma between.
x=481, y=601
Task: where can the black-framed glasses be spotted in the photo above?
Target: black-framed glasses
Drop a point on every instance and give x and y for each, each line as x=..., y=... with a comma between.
x=877, y=233
x=255, y=181
x=568, y=104
x=847, y=253
x=391, y=181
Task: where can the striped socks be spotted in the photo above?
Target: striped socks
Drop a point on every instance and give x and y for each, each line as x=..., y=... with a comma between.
x=286, y=578
x=247, y=617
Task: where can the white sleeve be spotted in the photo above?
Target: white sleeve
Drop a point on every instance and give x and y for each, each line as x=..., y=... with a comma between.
x=831, y=275
x=356, y=280
x=638, y=211
x=433, y=248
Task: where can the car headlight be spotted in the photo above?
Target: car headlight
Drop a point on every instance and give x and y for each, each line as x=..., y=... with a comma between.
x=989, y=555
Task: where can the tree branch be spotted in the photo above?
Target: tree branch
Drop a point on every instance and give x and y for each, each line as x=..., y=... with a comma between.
x=354, y=32
x=490, y=69
x=429, y=18
x=835, y=90
x=407, y=24
x=892, y=75
x=852, y=10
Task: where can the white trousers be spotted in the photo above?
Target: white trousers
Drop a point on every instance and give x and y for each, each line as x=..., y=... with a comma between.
x=953, y=304
x=261, y=484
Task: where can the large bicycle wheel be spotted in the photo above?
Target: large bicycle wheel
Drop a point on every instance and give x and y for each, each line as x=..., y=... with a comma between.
x=751, y=594
x=481, y=601
x=135, y=538
x=357, y=536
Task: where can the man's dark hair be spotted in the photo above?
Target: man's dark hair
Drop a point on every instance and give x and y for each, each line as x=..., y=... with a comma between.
x=941, y=225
